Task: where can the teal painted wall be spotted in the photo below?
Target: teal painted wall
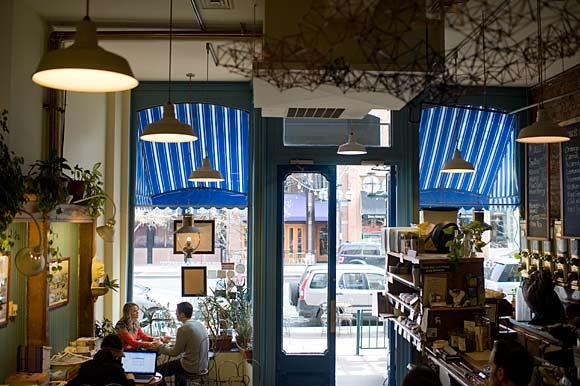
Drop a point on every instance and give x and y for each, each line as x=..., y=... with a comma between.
x=63, y=320
x=13, y=335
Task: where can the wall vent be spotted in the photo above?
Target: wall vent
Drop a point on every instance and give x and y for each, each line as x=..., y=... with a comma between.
x=314, y=112
x=216, y=4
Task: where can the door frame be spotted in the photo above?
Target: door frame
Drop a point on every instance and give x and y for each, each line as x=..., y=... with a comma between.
x=315, y=369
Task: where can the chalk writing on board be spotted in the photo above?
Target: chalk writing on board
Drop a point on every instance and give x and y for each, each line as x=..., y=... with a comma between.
x=537, y=191
x=571, y=183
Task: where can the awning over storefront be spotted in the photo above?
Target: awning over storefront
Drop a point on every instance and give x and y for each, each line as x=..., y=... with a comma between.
x=163, y=168
x=372, y=206
x=295, y=208
x=486, y=139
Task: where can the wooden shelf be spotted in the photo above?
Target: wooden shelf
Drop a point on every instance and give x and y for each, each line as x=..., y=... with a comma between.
x=449, y=308
x=410, y=335
x=69, y=213
x=399, y=301
x=431, y=258
x=403, y=278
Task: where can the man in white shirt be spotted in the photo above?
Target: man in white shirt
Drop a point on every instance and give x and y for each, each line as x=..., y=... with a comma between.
x=191, y=345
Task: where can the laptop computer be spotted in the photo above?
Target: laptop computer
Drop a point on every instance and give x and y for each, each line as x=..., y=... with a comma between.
x=141, y=364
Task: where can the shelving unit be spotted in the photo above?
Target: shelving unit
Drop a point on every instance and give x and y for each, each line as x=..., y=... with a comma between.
x=37, y=328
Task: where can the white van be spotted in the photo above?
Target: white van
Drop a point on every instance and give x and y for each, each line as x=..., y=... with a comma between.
x=355, y=286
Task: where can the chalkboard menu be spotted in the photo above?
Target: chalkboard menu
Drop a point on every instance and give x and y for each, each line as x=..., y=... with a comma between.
x=537, y=192
x=570, y=155
x=555, y=185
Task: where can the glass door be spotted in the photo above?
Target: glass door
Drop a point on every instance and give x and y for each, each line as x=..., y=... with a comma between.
x=306, y=276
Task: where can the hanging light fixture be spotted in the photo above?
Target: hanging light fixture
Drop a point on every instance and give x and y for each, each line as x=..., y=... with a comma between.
x=352, y=147
x=168, y=128
x=107, y=231
x=544, y=130
x=206, y=173
x=457, y=164
x=84, y=66
x=30, y=261
x=188, y=230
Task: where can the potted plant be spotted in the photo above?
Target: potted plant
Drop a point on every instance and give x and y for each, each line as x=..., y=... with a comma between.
x=104, y=328
x=104, y=287
x=47, y=180
x=240, y=309
x=215, y=313
x=86, y=183
x=12, y=187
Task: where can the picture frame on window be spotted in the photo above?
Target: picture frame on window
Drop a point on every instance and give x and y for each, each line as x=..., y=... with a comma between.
x=58, y=286
x=4, y=289
x=204, y=242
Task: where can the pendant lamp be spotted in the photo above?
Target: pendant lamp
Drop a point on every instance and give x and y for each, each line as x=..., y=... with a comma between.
x=84, y=66
x=206, y=173
x=168, y=128
x=352, y=147
x=457, y=164
x=30, y=261
x=107, y=231
x=544, y=130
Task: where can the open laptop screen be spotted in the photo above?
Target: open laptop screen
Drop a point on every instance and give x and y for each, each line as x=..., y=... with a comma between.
x=139, y=362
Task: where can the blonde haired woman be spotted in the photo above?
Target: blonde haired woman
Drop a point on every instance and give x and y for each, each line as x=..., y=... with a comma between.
x=130, y=331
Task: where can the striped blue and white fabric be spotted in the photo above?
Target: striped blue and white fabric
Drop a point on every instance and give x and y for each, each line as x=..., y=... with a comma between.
x=486, y=139
x=163, y=168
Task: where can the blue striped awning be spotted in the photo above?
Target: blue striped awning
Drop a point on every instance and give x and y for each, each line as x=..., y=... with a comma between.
x=486, y=139
x=163, y=168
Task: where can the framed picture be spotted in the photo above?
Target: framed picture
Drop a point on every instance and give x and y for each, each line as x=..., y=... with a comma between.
x=204, y=242
x=4, y=289
x=193, y=281
x=58, y=286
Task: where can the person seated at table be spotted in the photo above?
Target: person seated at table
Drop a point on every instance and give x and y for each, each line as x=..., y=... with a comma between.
x=130, y=331
x=421, y=375
x=191, y=345
x=511, y=365
x=105, y=368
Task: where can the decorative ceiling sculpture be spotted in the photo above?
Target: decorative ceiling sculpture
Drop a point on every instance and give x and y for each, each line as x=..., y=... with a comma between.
x=402, y=47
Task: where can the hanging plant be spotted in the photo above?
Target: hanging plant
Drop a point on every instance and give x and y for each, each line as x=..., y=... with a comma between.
x=13, y=185
x=47, y=179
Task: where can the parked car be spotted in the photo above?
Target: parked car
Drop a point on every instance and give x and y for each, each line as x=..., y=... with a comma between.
x=355, y=286
x=361, y=253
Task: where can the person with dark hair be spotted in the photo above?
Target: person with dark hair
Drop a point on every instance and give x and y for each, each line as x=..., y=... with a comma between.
x=191, y=345
x=421, y=375
x=130, y=331
x=105, y=368
x=511, y=365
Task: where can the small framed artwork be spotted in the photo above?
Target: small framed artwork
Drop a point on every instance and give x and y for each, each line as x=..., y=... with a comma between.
x=4, y=289
x=58, y=286
x=202, y=243
x=193, y=281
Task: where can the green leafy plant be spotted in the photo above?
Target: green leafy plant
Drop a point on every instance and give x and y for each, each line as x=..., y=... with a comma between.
x=112, y=284
x=104, y=328
x=240, y=311
x=13, y=185
x=465, y=240
x=7, y=240
x=92, y=182
x=47, y=179
x=54, y=253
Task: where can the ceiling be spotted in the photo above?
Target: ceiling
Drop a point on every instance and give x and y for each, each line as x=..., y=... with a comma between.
x=149, y=56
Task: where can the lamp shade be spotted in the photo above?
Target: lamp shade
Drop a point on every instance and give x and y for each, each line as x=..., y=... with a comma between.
x=30, y=261
x=168, y=128
x=187, y=225
x=544, y=130
x=457, y=164
x=107, y=231
x=84, y=66
x=351, y=147
x=206, y=173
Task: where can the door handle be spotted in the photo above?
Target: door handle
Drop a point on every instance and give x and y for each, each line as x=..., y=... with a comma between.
x=339, y=293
